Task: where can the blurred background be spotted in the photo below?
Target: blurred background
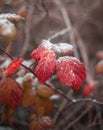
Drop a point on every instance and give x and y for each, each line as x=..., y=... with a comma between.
x=44, y=18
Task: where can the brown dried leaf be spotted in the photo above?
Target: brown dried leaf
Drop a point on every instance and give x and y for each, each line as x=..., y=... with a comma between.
x=22, y=11
x=7, y=29
x=44, y=91
x=43, y=106
x=29, y=95
x=99, y=67
x=46, y=122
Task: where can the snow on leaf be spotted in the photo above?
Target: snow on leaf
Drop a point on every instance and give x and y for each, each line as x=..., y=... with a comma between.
x=10, y=92
x=11, y=17
x=46, y=65
x=63, y=48
x=70, y=71
x=13, y=66
x=46, y=44
x=7, y=29
x=38, y=53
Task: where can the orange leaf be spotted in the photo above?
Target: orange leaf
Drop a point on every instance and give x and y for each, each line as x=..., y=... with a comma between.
x=43, y=106
x=99, y=67
x=44, y=91
x=29, y=95
x=13, y=66
x=10, y=92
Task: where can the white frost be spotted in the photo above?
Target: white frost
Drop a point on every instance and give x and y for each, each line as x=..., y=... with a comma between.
x=63, y=48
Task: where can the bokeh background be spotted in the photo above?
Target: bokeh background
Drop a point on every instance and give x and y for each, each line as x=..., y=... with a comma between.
x=44, y=18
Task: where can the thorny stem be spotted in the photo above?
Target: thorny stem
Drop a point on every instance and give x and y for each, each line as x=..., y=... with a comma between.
x=56, y=90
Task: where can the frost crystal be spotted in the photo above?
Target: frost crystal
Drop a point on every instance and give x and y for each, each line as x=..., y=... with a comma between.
x=6, y=27
x=46, y=44
x=63, y=48
x=11, y=17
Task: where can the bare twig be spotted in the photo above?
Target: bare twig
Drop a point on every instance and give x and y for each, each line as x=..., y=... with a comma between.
x=84, y=55
x=60, y=33
x=78, y=118
x=28, y=27
x=68, y=25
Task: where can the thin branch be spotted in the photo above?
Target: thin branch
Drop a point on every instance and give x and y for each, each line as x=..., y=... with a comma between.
x=82, y=49
x=77, y=119
x=60, y=33
x=28, y=27
x=68, y=25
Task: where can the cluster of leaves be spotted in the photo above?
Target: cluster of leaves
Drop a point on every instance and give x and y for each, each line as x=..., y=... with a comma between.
x=50, y=58
x=70, y=70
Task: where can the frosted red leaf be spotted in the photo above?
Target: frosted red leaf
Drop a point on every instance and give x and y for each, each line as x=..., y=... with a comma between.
x=11, y=17
x=42, y=50
x=10, y=92
x=38, y=53
x=13, y=66
x=46, y=65
x=63, y=48
x=70, y=71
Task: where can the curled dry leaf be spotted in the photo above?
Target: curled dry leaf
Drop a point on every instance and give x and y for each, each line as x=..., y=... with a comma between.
x=43, y=106
x=29, y=95
x=40, y=122
x=11, y=17
x=7, y=29
x=44, y=91
x=70, y=71
x=99, y=67
x=13, y=66
x=46, y=122
x=10, y=92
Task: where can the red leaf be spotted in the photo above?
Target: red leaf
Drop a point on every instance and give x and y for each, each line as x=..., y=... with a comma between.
x=10, y=92
x=38, y=53
x=13, y=67
x=42, y=50
x=88, y=89
x=70, y=71
x=46, y=65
